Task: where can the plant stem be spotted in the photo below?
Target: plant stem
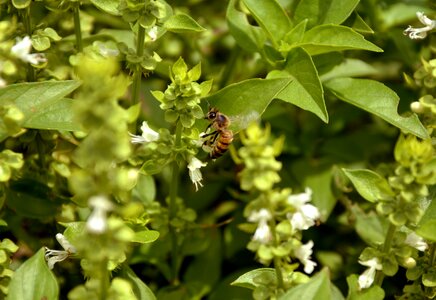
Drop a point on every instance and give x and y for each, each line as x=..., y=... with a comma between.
x=30, y=72
x=138, y=70
x=386, y=247
x=277, y=263
x=173, y=210
x=104, y=281
x=77, y=29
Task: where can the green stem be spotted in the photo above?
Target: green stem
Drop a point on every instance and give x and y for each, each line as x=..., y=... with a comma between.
x=230, y=67
x=173, y=210
x=432, y=254
x=138, y=70
x=104, y=282
x=77, y=28
x=277, y=262
x=30, y=72
x=386, y=248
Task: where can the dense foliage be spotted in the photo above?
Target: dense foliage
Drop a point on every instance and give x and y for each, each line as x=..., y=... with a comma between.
x=274, y=149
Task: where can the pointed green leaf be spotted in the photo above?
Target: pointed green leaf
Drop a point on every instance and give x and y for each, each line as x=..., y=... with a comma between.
x=318, y=287
x=249, y=37
x=252, y=279
x=369, y=184
x=305, y=90
x=182, y=23
x=370, y=227
x=270, y=16
x=244, y=102
x=376, y=98
x=358, y=24
x=327, y=38
x=33, y=280
x=324, y=12
x=141, y=290
x=42, y=104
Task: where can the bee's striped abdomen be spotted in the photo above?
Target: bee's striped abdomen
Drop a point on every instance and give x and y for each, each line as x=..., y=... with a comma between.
x=222, y=143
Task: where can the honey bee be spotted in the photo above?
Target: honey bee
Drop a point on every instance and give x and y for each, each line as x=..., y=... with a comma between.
x=221, y=138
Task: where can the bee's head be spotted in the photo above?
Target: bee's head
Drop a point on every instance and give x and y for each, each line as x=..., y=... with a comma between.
x=211, y=115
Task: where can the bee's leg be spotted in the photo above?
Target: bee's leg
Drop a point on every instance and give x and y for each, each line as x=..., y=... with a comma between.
x=209, y=134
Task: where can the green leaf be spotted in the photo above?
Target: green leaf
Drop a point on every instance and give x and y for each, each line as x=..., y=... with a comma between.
x=33, y=280
x=40, y=43
x=305, y=89
x=377, y=99
x=369, y=184
x=427, y=225
x=350, y=67
x=270, y=16
x=324, y=12
x=328, y=38
x=52, y=34
x=358, y=24
x=32, y=199
x=375, y=292
x=182, y=23
x=244, y=102
x=74, y=231
x=370, y=227
x=42, y=104
x=20, y=4
x=250, y=38
x=252, y=279
x=401, y=13
x=145, y=236
x=56, y=116
x=109, y=6
x=318, y=287
x=141, y=290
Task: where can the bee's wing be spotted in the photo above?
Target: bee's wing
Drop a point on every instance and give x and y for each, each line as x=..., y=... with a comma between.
x=240, y=122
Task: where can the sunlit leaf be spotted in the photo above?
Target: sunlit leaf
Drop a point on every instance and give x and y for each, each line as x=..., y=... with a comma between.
x=318, y=287
x=305, y=89
x=246, y=101
x=270, y=16
x=141, y=290
x=377, y=99
x=182, y=23
x=33, y=280
x=145, y=236
x=109, y=6
x=327, y=38
x=374, y=292
x=324, y=12
x=369, y=184
x=252, y=279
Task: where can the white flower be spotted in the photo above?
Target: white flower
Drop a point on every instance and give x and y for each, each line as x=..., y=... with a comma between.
x=148, y=135
x=416, y=241
x=420, y=33
x=54, y=256
x=303, y=253
x=152, y=33
x=194, y=171
x=263, y=232
x=305, y=214
x=22, y=50
x=2, y=83
x=97, y=220
x=367, y=277
x=107, y=52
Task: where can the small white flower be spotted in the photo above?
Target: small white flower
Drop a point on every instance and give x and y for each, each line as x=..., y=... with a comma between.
x=148, y=135
x=420, y=33
x=263, y=232
x=2, y=83
x=303, y=253
x=194, y=171
x=97, y=220
x=367, y=278
x=152, y=33
x=22, y=50
x=305, y=214
x=54, y=256
x=416, y=241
